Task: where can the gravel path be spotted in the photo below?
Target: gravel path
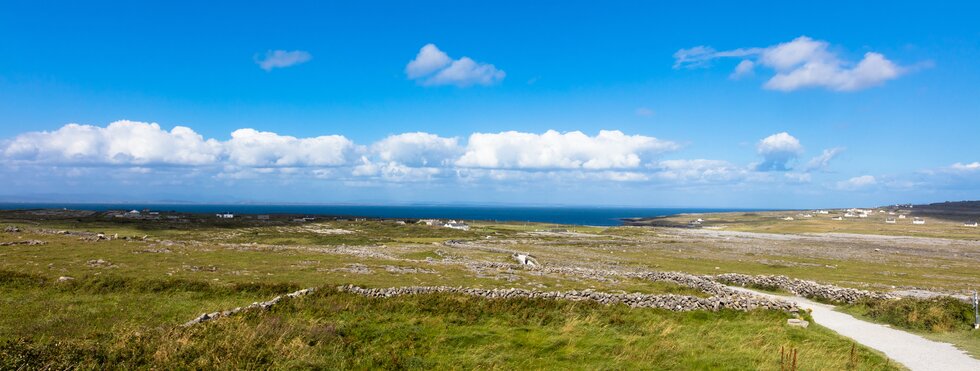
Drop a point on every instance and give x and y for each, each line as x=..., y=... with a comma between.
x=913, y=351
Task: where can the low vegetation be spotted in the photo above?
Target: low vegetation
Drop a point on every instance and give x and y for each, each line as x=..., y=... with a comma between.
x=74, y=299
x=339, y=330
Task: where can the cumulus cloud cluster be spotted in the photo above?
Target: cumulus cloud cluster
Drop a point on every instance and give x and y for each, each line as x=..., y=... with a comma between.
x=399, y=156
x=509, y=156
x=572, y=150
x=777, y=151
x=432, y=66
x=798, y=64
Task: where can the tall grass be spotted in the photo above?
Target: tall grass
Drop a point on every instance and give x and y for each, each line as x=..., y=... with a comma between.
x=335, y=330
x=941, y=314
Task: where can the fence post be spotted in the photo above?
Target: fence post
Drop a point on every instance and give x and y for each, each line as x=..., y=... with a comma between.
x=976, y=311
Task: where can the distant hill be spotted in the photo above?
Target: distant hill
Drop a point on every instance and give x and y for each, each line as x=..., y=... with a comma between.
x=950, y=209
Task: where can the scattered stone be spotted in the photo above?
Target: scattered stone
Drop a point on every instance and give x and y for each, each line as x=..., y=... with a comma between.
x=195, y=268
x=65, y=279
x=796, y=322
x=11, y=229
x=406, y=270
x=99, y=263
x=25, y=242
x=354, y=268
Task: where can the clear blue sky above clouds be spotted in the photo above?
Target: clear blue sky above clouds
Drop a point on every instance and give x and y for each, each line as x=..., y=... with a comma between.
x=878, y=102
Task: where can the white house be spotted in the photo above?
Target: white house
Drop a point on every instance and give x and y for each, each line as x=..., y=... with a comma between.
x=837, y=218
x=225, y=215
x=788, y=218
x=807, y=215
x=918, y=221
x=850, y=215
x=134, y=212
x=901, y=216
x=457, y=225
x=890, y=221
x=823, y=212
x=974, y=224
x=428, y=222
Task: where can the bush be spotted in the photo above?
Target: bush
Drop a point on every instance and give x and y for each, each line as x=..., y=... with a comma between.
x=942, y=314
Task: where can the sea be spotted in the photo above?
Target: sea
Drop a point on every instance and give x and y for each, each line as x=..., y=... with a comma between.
x=574, y=215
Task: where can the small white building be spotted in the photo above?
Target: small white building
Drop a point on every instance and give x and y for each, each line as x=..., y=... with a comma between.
x=134, y=212
x=428, y=221
x=918, y=221
x=901, y=216
x=890, y=221
x=457, y=225
x=974, y=224
x=850, y=215
x=807, y=215
x=788, y=218
x=823, y=212
x=837, y=218
x=225, y=215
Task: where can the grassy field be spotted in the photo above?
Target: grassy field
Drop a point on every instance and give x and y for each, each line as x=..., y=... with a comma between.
x=128, y=295
x=874, y=224
x=132, y=325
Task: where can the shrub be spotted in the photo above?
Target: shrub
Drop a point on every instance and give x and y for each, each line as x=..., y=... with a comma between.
x=942, y=314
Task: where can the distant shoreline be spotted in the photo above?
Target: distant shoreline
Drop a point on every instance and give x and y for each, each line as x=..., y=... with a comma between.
x=571, y=215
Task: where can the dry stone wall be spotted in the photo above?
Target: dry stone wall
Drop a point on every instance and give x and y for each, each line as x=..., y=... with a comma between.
x=742, y=302
x=803, y=288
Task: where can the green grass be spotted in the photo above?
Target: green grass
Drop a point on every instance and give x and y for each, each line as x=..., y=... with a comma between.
x=336, y=330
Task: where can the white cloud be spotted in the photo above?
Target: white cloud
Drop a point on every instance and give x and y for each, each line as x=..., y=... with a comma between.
x=777, y=151
x=800, y=63
x=121, y=142
x=554, y=150
x=282, y=58
x=393, y=171
x=743, y=69
x=701, y=56
x=858, y=182
x=822, y=161
x=973, y=166
x=249, y=147
x=699, y=171
x=432, y=66
x=428, y=60
x=417, y=149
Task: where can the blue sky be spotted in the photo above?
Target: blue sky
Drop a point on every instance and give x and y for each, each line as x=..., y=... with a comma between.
x=759, y=105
